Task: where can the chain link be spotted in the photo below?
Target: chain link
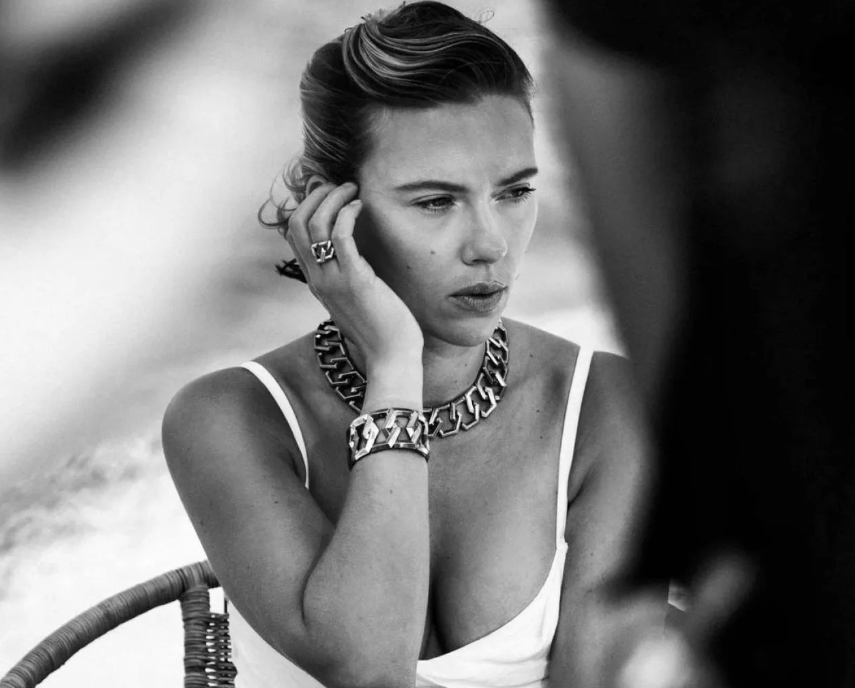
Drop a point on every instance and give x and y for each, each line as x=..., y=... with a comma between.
x=462, y=413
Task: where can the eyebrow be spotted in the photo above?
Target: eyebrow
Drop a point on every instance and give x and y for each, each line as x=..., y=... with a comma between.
x=423, y=184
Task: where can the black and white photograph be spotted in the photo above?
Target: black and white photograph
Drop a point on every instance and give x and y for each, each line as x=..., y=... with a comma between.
x=439, y=344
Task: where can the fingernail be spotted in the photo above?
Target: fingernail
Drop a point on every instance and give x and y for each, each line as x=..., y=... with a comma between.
x=356, y=203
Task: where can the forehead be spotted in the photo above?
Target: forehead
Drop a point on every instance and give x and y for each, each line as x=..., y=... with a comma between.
x=490, y=138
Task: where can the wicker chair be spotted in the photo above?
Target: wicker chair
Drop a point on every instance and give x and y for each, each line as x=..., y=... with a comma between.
x=207, y=647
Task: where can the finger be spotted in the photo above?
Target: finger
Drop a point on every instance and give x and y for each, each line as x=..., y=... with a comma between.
x=292, y=238
x=313, y=199
x=322, y=220
x=292, y=243
x=342, y=237
x=298, y=232
x=301, y=261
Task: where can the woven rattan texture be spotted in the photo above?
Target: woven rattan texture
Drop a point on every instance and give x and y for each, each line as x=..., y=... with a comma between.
x=207, y=646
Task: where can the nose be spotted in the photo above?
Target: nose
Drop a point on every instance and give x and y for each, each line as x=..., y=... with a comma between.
x=485, y=242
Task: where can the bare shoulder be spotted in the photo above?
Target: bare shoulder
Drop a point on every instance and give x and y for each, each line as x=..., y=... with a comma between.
x=609, y=436
x=541, y=356
x=612, y=442
x=610, y=376
x=610, y=397
x=528, y=335
x=222, y=412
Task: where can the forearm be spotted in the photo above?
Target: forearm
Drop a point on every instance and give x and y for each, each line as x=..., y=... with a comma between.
x=579, y=660
x=602, y=631
x=366, y=598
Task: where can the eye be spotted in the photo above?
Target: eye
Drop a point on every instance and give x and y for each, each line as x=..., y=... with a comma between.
x=519, y=194
x=436, y=205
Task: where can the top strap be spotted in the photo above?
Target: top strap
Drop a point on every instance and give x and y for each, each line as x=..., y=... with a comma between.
x=568, y=438
x=281, y=399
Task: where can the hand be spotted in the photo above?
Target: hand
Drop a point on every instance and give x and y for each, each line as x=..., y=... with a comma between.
x=366, y=310
x=681, y=657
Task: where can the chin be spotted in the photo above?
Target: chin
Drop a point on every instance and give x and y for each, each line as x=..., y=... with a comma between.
x=466, y=331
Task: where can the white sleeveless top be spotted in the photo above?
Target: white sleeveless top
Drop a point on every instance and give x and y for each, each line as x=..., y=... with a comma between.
x=514, y=655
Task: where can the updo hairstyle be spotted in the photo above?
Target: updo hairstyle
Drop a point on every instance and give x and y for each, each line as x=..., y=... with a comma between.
x=419, y=55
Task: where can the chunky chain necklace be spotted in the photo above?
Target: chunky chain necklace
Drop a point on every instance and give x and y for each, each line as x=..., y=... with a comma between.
x=464, y=412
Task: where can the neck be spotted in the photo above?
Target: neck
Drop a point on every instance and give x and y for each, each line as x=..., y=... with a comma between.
x=449, y=369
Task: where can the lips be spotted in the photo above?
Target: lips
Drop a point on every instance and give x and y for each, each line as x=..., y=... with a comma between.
x=480, y=289
x=481, y=297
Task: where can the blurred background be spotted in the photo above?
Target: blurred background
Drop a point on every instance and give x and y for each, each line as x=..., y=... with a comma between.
x=137, y=140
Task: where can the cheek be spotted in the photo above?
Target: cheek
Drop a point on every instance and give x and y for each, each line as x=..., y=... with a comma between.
x=363, y=232
x=384, y=245
x=531, y=227
x=370, y=237
x=524, y=228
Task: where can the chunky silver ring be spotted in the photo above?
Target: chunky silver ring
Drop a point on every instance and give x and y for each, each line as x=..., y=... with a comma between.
x=323, y=251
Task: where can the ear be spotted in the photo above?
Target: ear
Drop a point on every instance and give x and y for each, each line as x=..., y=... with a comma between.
x=314, y=182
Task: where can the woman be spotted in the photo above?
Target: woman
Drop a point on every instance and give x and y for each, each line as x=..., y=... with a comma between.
x=443, y=538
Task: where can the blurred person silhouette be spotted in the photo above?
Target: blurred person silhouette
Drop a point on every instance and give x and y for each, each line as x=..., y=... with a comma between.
x=714, y=143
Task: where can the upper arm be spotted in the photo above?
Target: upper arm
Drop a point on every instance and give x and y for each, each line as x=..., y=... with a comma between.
x=258, y=524
x=612, y=493
x=604, y=524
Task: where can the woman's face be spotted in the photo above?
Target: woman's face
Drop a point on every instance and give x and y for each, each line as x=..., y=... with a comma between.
x=448, y=211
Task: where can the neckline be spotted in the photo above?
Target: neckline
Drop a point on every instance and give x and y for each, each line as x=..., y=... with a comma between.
x=560, y=551
x=567, y=446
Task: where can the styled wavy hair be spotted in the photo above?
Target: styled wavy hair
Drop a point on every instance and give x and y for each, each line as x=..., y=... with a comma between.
x=419, y=55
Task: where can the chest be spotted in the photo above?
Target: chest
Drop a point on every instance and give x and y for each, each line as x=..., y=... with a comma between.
x=493, y=537
x=493, y=502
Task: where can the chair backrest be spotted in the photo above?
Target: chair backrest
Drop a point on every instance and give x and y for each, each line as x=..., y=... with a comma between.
x=207, y=646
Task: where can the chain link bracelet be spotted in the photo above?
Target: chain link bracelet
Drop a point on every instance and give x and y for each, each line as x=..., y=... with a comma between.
x=393, y=428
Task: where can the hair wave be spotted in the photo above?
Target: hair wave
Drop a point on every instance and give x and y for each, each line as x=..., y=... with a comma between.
x=418, y=55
